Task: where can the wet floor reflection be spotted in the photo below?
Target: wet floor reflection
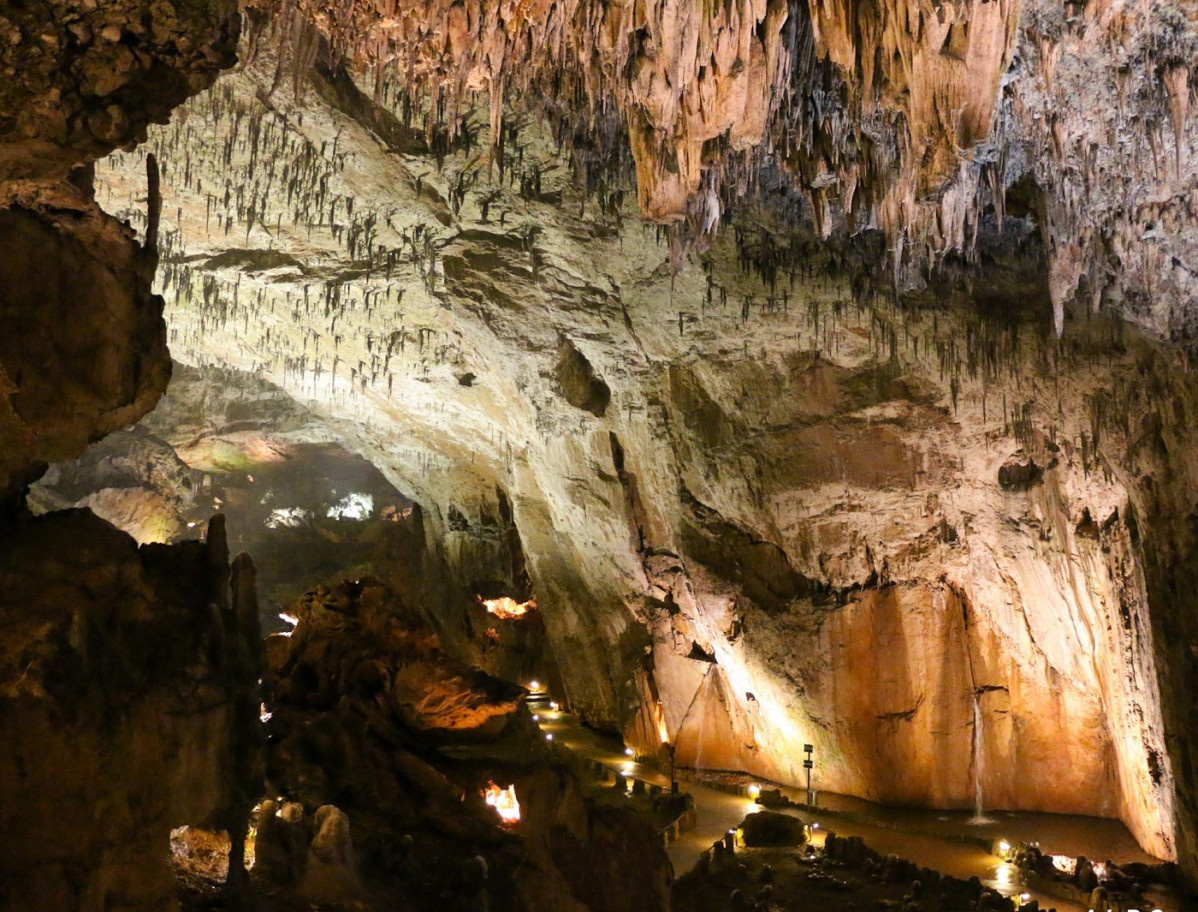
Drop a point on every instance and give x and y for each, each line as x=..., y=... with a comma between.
x=953, y=843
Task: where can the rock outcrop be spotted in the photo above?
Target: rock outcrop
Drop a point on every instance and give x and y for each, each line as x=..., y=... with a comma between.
x=83, y=350
x=84, y=345
x=129, y=698
x=362, y=697
x=81, y=78
x=792, y=469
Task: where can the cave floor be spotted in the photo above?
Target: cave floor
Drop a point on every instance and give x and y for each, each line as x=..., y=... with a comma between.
x=947, y=841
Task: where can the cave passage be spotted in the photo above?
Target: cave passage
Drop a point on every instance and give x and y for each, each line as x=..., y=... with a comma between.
x=595, y=457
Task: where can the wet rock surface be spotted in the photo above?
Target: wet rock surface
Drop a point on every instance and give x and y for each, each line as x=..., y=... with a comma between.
x=842, y=874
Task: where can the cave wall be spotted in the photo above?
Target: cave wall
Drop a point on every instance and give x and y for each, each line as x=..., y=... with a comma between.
x=129, y=687
x=777, y=486
x=697, y=540
x=789, y=468
x=128, y=677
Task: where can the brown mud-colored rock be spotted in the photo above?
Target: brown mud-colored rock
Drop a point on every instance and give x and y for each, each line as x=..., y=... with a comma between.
x=129, y=698
x=346, y=729
x=82, y=340
x=78, y=79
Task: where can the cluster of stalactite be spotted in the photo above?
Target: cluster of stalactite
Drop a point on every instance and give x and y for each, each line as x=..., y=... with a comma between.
x=682, y=76
x=871, y=112
x=884, y=116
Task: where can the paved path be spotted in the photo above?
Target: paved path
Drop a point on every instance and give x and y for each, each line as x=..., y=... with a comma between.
x=719, y=811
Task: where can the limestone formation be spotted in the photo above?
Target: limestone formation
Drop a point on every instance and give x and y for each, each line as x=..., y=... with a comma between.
x=127, y=712
x=878, y=440
x=779, y=489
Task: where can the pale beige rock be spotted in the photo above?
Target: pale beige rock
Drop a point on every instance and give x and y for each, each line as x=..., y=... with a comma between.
x=808, y=495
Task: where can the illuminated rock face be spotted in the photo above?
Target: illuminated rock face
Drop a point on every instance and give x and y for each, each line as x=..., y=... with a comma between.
x=788, y=512
x=914, y=538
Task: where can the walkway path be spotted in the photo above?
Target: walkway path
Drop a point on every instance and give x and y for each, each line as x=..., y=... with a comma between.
x=930, y=839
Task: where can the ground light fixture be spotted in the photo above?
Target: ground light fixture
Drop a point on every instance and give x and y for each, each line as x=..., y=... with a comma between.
x=504, y=801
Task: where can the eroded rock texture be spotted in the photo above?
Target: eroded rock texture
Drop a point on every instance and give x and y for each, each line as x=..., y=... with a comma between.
x=129, y=698
x=1099, y=115
x=81, y=78
x=363, y=697
x=808, y=511
x=83, y=344
x=83, y=349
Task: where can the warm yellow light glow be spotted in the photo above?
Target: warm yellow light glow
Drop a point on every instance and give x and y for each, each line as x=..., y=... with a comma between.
x=1003, y=847
x=1064, y=863
x=629, y=752
x=754, y=791
x=536, y=717
x=506, y=608
x=534, y=686
x=553, y=705
x=504, y=801
x=263, y=713
x=549, y=737
x=1002, y=874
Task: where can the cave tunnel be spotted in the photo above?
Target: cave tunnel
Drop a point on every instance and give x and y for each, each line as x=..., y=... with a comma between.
x=599, y=457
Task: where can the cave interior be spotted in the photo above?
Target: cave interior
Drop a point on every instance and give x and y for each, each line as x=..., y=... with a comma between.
x=574, y=455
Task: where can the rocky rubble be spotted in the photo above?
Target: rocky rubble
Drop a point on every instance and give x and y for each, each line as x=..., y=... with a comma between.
x=361, y=698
